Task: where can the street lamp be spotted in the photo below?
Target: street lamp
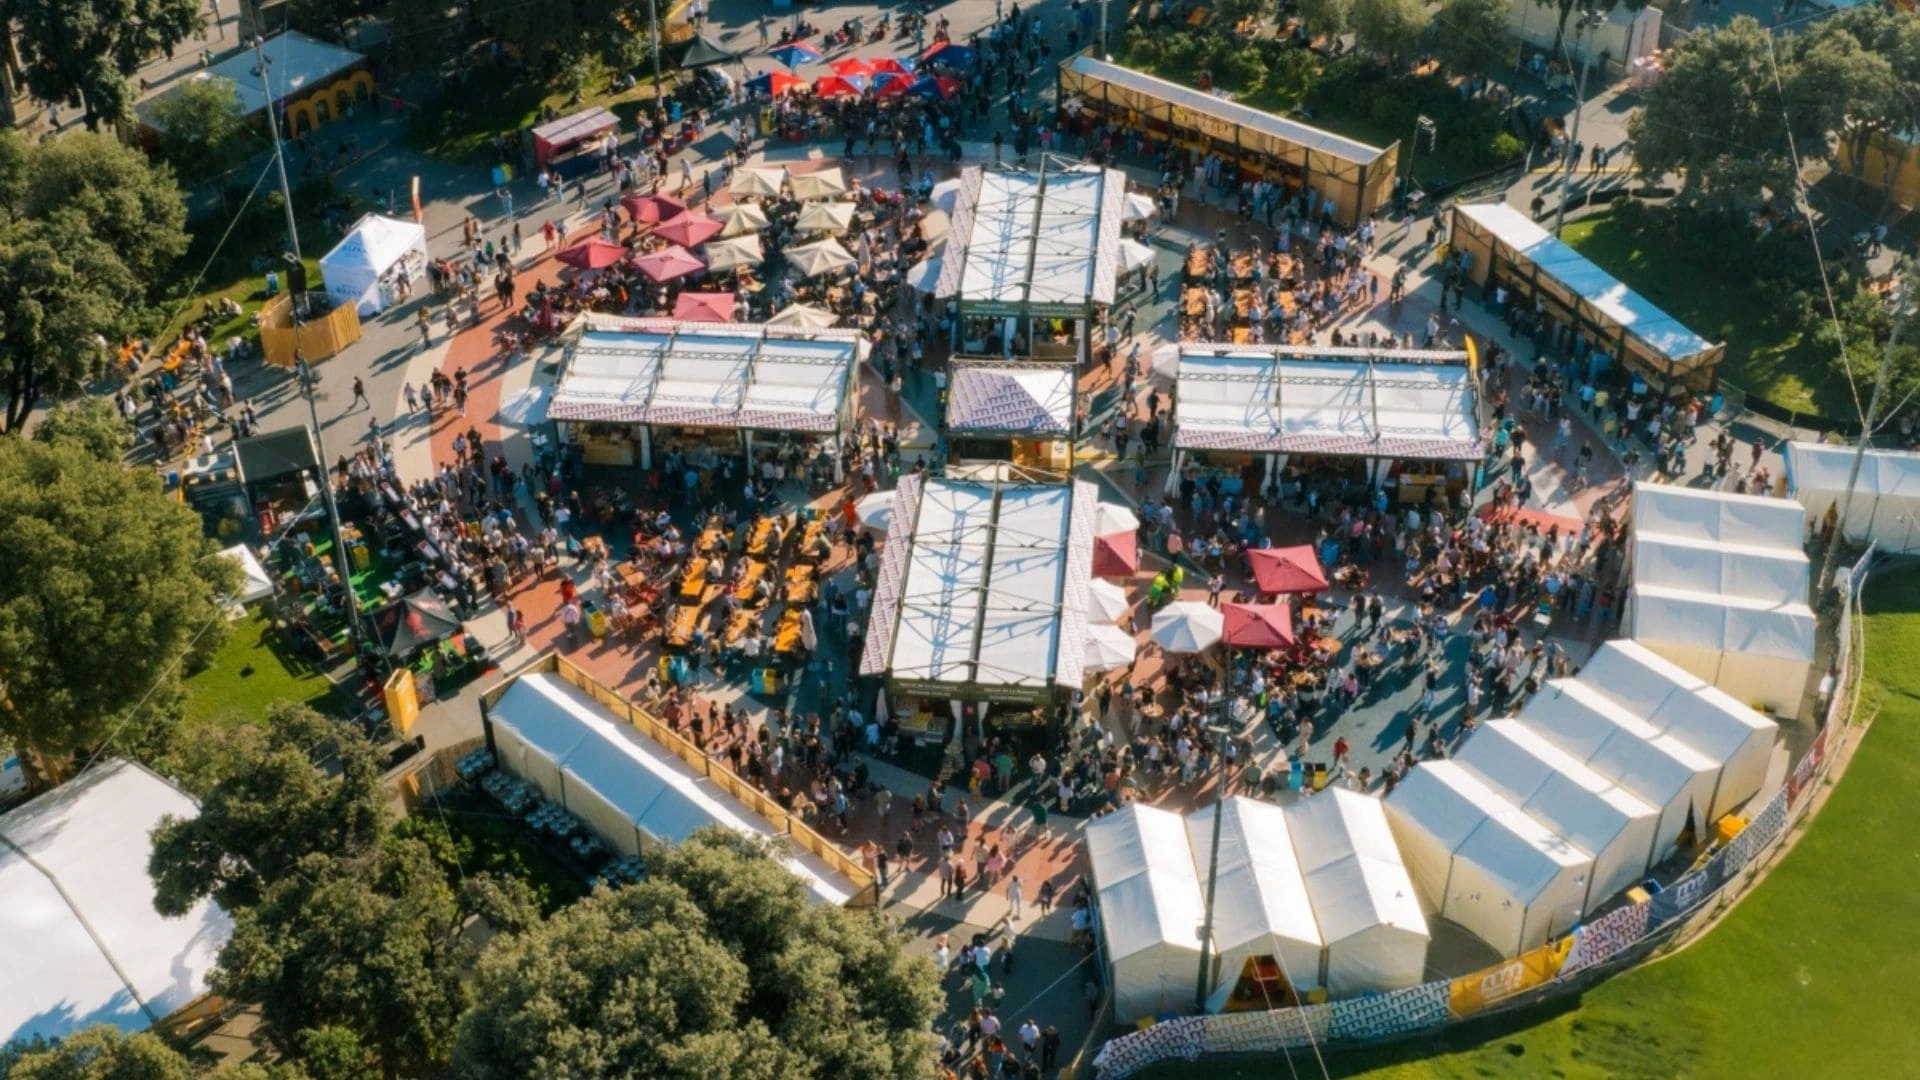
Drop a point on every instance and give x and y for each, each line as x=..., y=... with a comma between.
x=1588, y=21
x=1222, y=733
x=1422, y=125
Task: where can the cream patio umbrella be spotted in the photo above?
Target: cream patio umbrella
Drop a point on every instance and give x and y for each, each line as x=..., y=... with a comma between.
x=740, y=219
x=805, y=316
x=945, y=195
x=1138, y=207
x=875, y=511
x=734, y=253
x=1187, y=626
x=1134, y=255
x=824, y=184
x=832, y=217
x=1106, y=602
x=1109, y=648
x=820, y=257
x=749, y=182
x=1110, y=518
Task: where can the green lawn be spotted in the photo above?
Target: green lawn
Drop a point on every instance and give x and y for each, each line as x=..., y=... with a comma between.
x=1764, y=357
x=1813, y=974
x=249, y=674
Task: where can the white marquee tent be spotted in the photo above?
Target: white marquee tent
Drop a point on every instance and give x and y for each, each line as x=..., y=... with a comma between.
x=1676, y=702
x=1748, y=571
x=1150, y=909
x=255, y=582
x=1594, y=814
x=1260, y=909
x=1484, y=863
x=1673, y=777
x=352, y=270
x=1886, y=498
x=629, y=791
x=1760, y=651
x=1369, y=915
x=1717, y=516
x=1034, y=243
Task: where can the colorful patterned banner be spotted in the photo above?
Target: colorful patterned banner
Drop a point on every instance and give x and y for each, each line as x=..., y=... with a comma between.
x=1122, y=1057
x=1803, y=772
x=1276, y=1029
x=1605, y=937
x=1683, y=895
x=1470, y=994
x=1396, y=1012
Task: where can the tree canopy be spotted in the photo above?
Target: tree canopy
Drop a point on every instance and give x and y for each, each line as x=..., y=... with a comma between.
x=718, y=965
x=197, y=122
x=92, y=423
x=1388, y=28
x=88, y=49
x=1470, y=36
x=109, y=590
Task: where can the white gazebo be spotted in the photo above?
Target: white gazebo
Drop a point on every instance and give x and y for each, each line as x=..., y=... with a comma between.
x=361, y=270
x=1886, y=496
x=1150, y=907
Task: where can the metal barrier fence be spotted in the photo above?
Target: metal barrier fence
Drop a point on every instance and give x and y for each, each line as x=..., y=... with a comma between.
x=1595, y=951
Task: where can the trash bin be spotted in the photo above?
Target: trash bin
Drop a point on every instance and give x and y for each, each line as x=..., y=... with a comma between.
x=673, y=111
x=596, y=620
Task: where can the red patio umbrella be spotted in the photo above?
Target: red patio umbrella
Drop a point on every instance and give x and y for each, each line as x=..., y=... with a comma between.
x=1257, y=626
x=852, y=67
x=1116, y=554
x=690, y=229
x=893, y=87
x=833, y=86
x=669, y=263
x=887, y=65
x=1287, y=569
x=592, y=253
x=653, y=208
x=704, y=307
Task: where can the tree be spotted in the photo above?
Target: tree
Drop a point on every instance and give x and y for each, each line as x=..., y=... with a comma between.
x=274, y=809
x=1389, y=28
x=91, y=423
x=1470, y=36
x=718, y=965
x=1566, y=8
x=1326, y=16
x=198, y=122
x=109, y=591
x=100, y=1052
x=1894, y=36
x=127, y=202
x=88, y=49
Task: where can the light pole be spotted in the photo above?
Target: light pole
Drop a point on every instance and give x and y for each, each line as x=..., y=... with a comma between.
x=653, y=20
x=1866, y=435
x=1222, y=732
x=1422, y=125
x=1588, y=20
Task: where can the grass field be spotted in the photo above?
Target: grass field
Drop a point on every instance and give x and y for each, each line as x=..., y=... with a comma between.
x=1813, y=974
x=247, y=675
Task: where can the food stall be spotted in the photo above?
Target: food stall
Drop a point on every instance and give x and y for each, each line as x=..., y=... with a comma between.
x=1017, y=412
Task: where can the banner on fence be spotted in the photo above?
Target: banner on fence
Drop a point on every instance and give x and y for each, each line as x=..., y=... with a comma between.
x=1267, y=1031
x=1810, y=764
x=1179, y=1038
x=1605, y=937
x=1395, y=1012
x=1684, y=895
x=1470, y=994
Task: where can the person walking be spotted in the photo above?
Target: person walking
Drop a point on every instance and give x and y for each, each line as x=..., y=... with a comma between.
x=1014, y=898
x=412, y=396
x=425, y=319
x=1046, y=898
x=359, y=395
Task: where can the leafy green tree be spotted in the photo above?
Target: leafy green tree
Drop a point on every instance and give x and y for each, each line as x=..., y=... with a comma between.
x=1564, y=10
x=276, y=807
x=126, y=201
x=1326, y=16
x=333, y=1053
x=1895, y=37
x=100, y=1052
x=109, y=591
x=1389, y=28
x=1470, y=36
x=88, y=49
x=91, y=423
x=198, y=123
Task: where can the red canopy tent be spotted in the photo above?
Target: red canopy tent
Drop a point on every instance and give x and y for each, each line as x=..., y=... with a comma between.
x=887, y=65
x=1287, y=569
x=1257, y=626
x=1116, y=554
x=669, y=263
x=556, y=137
x=654, y=208
x=704, y=307
x=852, y=67
x=689, y=229
x=592, y=253
x=833, y=86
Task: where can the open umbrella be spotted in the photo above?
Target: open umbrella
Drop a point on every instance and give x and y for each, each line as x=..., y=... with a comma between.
x=749, y=182
x=888, y=65
x=804, y=316
x=653, y=208
x=1116, y=555
x=1106, y=602
x=592, y=253
x=819, y=185
x=795, y=53
x=1109, y=648
x=852, y=67
x=1287, y=569
x=838, y=86
x=1187, y=626
x=1134, y=255
x=945, y=195
x=891, y=83
x=1166, y=361
x=935, y=226
x=689, y=229
x=413, y=621
x=704, y=307
x=738, y=219
x=669, y=263
x=702, y=52
x=1257, y=626
x=924, y=276
x=934, y=86
x=1137, y=207
x=820, y=257
x=875, y=511
x=1110, y=518
x=774, y=83
x=734, y=253
x=946, y=52
x=825, y=217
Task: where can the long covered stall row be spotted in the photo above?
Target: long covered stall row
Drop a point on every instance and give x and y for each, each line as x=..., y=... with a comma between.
x=634, y=388
x=1504, y=247
x=1405, y=419
x=1886, y=495
x=1352, y=178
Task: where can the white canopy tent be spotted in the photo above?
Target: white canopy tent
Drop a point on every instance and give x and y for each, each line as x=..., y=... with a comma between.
x=1886, y=497
x=1150, y=909
x=1612, y=824
x=255, y=582
x=629, y=791
x=1364, y=901
x=1676, y=702
x=1484, y=863
x=1728, y=569
x=1718, y=516
x=1034, y=243
x=1662, y=770
x=1760, y=651
x=1261, y=909
x=377, y=244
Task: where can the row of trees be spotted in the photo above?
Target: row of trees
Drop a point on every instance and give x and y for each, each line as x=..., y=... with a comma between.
x=85, y=51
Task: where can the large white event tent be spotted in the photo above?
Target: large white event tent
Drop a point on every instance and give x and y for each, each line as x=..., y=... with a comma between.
x=1720, y=587
x=1596, y=815
x=1369, y=915
x=629, y=791
x=1886, y=497
x=1150, y=909
x=85, y=945
x=1260, y=910
x=1676, y=702
x=352, y=270
x=1484, y=863
x=1042, y=243
x=1673, y=777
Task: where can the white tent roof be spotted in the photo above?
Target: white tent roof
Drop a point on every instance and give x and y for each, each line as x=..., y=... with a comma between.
x=620, y=783
x=1722, y=567
x=375, y=243
x=1616, y=826
x=1034, y=242
x=1405, y=403
x=76, y=906
x=1708, y=621
x=1020, y=398
x=1364, y=901
x=1150, y=908
x=1261, y=907
x=1886, y=498
x=296, y=64
x=1755, y=521
x=255, y=582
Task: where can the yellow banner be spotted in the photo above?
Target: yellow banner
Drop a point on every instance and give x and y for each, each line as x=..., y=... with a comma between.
x=1472, y=993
